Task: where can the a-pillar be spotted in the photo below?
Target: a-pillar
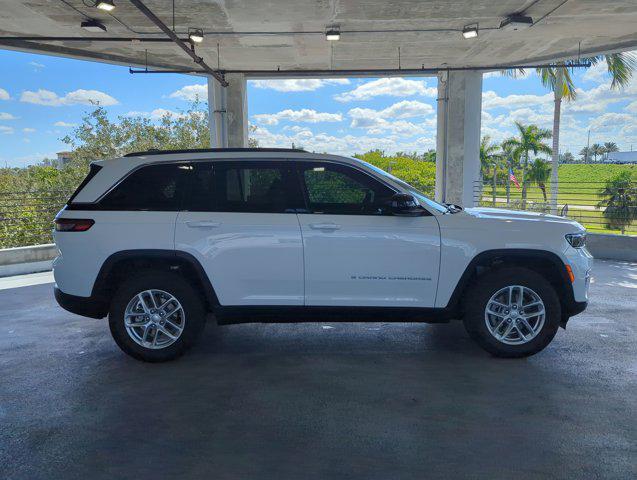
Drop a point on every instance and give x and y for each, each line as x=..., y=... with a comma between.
x=228, y=112
x=458, y=136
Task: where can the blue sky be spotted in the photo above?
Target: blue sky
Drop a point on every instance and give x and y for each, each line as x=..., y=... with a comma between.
x=42, y=98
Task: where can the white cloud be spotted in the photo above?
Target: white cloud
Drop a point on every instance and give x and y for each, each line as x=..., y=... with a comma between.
x=37, y=66
x=64, y=124
x=390, y=119
x=298, y=84
x=393, y=87
x=4, y=95
x=631, y=107
x=490, y=99
x=344, y=144
x=191, y=93
x=156, y=114
x=6, y=116
x=597, y=73
x=612, y=119
x=28, y=130
x=6, y=130
x=519, y=76
x=76, y=97
x=303, y=115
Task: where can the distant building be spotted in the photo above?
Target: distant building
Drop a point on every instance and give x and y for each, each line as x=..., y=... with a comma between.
x=621, y=157
x=63, y=158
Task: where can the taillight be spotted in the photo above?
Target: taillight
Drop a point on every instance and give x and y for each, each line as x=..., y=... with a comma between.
x=73, y=224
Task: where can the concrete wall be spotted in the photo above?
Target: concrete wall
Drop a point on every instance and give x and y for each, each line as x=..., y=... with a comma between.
x=21, y=260
x=612, y=247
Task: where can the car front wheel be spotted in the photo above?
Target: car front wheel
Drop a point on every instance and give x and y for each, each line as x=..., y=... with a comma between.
x=156, y=317
x=512, y=312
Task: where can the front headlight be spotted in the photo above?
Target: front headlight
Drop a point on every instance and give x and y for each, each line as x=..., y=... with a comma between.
x=577, y=240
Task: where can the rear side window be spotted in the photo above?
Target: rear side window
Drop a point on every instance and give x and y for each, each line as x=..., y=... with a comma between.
x=256, y=187
x=152, y=188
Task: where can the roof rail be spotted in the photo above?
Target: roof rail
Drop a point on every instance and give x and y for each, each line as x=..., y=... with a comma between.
x=212, y=150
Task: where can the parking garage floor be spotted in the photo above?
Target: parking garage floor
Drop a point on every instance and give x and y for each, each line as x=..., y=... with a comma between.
x=319, y=401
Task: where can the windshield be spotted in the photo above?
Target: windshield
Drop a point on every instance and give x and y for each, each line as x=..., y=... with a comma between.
x=408, y=188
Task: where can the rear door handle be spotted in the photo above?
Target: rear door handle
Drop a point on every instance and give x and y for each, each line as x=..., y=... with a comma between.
x=203, y=224
x=324, y=226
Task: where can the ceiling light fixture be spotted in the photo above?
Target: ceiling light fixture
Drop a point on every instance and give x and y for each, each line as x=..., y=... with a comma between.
x=470, y=31
x=93, y=26
x=516, y=22
x=332, y=34
x=195, y=35
x=106, y=5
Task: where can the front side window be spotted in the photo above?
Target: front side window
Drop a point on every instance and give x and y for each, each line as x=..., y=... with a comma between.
x=152, y=188
x=257, y=187
x=342, y=190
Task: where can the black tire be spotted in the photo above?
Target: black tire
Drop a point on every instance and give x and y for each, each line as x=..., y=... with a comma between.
x=487, y=285
x=173, y=284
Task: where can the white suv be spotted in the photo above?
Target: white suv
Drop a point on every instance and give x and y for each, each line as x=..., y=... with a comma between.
x=156, y=240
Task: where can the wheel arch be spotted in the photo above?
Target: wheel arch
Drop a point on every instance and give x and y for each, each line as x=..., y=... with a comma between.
x=546, y=263
x=119, y=264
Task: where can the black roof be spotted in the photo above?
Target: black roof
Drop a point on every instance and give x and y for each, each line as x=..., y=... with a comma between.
x=211, y=150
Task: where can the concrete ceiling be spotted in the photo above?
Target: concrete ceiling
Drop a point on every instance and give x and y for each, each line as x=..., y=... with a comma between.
x=596, y=26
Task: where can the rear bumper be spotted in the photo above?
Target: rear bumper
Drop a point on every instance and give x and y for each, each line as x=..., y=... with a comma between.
x=85, y=306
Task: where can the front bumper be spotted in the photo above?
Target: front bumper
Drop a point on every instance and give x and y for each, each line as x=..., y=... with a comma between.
x=85, y=306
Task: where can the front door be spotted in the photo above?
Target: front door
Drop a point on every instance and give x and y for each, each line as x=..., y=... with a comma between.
x=356, y=252
x=241, y=225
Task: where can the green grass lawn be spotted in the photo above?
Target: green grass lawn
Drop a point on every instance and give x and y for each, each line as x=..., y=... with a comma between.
x=579, y=187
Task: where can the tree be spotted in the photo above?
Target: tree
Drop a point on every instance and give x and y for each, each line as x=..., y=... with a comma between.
x=610, y=147
x=558, y=79
x=566, y=157
x=99, y=137
x=539, y=173
x=531, y=139
x=620, y=201
x=597, y=149
x=487, y=154
x=585, y=153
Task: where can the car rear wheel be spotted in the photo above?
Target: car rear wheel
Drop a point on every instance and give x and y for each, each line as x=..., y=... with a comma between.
x=156, y=317
x=512, y=312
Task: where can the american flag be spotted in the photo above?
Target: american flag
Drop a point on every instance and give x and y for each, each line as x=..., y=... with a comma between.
x=512, y=178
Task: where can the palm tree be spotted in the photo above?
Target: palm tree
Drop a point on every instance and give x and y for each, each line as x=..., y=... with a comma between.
x=539, y=173
x=487, y=154
x=610, y=147
x=620, y=200
x=585, y=153
x=530, y=140
x=558, y=79
x=596, y=149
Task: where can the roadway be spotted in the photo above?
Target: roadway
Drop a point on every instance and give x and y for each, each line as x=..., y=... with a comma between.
x=320, y=400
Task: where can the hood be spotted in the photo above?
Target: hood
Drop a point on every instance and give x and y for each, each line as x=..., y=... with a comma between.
x=514, y=215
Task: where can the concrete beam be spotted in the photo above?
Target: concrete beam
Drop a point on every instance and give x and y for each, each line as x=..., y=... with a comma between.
x=458, y=136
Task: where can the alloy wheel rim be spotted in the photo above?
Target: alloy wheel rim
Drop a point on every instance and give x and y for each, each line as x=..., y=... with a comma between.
x=154, y=319
x=515, y=315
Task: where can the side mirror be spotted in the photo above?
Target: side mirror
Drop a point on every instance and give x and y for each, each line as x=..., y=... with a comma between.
x=404, y=205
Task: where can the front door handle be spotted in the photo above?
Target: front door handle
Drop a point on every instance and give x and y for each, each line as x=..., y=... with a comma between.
x=203, y=224
x=324, y=226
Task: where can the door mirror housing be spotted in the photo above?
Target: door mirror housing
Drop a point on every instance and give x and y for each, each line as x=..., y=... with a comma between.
x=405, y=205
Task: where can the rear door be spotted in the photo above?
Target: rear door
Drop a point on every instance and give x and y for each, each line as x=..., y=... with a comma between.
x=356, y=252
x=241, y=225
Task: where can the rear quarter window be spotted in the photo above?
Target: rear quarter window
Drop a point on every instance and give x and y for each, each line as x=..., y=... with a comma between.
x=150, y=188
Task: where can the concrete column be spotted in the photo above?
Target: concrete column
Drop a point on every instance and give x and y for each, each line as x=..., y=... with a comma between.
x=228, y=112
x=217, y=107
x=458, y=136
